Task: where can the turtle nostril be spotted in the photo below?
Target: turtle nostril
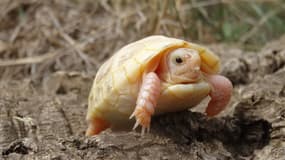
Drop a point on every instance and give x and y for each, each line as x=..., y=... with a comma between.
x=196, y=68
x=187, y=56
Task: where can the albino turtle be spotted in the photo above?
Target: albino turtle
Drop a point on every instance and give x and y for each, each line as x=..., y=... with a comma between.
x=152, y=76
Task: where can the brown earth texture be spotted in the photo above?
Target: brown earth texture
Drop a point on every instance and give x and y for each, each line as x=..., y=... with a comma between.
x=50, y=52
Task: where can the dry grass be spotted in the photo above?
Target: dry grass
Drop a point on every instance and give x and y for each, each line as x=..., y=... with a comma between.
x=41, y=37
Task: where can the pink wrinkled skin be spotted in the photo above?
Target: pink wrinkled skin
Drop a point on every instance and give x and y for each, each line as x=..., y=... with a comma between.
x=146, y=101
x=220, y=94
x=149, y=92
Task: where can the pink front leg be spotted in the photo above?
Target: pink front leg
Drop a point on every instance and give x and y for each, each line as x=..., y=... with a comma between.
x=146, y=101
x=220, y=94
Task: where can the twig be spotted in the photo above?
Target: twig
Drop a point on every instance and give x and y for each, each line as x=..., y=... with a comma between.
x=107, y=7
x=71, y=42
x=15, y=33
x=203, y=4
x=23, y=22
x=28, y=60
x=254, y=30
x=179, y=18
x=215, y=2
x=160, y=15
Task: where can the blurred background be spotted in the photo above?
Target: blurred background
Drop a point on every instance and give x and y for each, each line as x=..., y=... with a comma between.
x=39, y=37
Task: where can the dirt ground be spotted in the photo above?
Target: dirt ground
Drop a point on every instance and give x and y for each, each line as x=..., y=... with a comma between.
x=43, y=98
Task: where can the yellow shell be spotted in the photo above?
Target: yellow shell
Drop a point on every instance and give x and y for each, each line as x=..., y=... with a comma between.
x=117, y=83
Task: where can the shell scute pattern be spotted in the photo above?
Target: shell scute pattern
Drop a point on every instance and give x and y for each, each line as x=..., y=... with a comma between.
x=103, y=70
x=127, y=101
x=110, y=93
x=126, y=53
x=133, y=70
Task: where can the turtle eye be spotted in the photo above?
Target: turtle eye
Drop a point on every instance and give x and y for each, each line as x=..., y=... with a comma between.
x=178, y=60
x=179, y=56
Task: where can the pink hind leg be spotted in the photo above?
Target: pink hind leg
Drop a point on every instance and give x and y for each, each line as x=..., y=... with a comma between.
x=95, y=126
x=220, y=94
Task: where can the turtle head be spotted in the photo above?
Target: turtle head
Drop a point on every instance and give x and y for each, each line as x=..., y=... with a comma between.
x=181, y=65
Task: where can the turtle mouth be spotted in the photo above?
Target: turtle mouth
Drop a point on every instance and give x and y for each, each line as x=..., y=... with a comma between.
x=185, y=82
x=193, y=80
x=189, y=78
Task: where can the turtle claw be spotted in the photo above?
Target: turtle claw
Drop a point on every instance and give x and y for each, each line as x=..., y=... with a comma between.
x=136, y=125
x=143, y=119
x=132, y=115
x=145, y=130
